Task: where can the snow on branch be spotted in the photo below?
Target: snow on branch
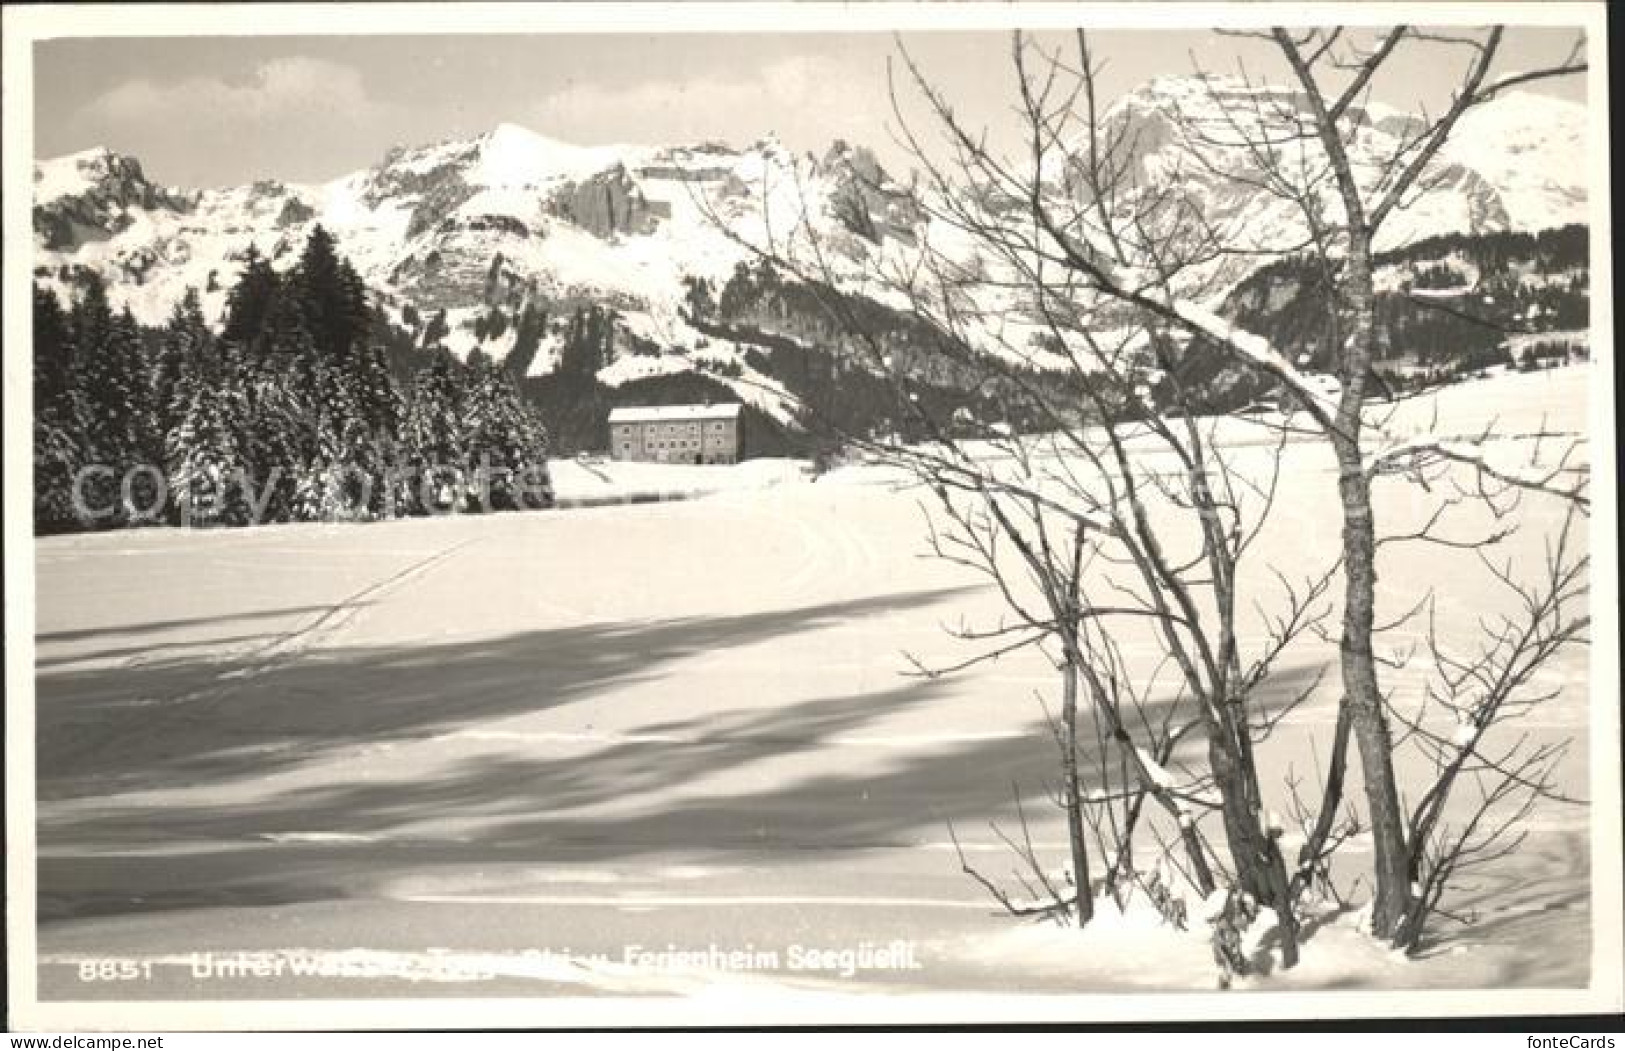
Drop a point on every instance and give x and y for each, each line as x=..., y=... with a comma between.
x=1474, y=454
x=1256, y=349
x=1164, y=781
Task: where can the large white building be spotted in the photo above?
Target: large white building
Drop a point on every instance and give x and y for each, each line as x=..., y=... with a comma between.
x=676, y=433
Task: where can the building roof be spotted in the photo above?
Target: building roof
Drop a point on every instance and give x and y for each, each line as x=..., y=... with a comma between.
x=673, y=413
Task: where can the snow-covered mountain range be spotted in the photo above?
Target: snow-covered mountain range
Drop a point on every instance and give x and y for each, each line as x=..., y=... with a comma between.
x=512, y=218
x=1515, y=163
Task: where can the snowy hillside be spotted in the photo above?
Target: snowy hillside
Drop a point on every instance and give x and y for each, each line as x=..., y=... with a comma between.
x=1532, y=149
x=514, y=220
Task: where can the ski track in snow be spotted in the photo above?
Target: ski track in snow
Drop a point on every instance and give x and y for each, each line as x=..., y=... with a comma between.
x=277, y=653
x=323, y=627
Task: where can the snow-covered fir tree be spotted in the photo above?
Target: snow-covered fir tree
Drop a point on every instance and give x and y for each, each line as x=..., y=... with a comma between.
x=207, y=466
x=292, y=411
x=59, y=417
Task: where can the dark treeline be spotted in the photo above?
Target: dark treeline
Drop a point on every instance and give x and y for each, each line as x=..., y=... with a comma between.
x=801, y=334
x=1512, y=282
x=305, y=406
x=1496, y=286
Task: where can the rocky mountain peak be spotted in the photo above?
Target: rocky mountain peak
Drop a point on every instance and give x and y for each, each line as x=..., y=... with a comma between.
x=513, y=155
x=93, y=193
x=99, y=170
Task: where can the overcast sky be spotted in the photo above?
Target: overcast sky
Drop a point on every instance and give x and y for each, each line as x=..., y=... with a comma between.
x=211, y=111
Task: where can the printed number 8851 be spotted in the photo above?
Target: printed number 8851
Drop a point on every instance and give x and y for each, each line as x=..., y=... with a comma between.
x=114, y=970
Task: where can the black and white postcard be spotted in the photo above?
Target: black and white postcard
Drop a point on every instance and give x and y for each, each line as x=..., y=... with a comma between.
x=714, y=514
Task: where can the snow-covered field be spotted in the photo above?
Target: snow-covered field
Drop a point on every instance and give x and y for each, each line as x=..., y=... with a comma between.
x=506, y=755
x=588, y=481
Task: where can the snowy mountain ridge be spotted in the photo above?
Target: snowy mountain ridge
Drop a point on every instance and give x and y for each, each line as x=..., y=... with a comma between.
x=1208, y=143
x=513, y=218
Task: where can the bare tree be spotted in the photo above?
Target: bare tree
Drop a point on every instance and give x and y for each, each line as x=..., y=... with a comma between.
x=1083, y=539
x=1302, y=146
x=1345, y=234
x=1062, y=281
